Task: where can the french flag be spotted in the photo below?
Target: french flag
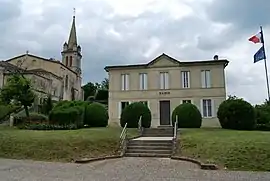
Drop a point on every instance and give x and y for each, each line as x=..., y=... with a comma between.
x=256, y=38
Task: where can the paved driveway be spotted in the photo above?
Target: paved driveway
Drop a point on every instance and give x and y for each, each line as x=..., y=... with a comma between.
x=132, y=169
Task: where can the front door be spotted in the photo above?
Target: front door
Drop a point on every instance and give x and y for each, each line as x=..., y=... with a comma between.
x=165, y=112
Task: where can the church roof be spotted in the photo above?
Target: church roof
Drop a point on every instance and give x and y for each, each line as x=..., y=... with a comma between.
x=72, y=41
x=41, y=58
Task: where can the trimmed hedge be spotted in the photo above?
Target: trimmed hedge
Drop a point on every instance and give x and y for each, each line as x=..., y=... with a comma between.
x=132, y=113
x=236, y=113
x=96, y=115
x=67, y=116
x=47, y=127
x=188, y=116
x=34, y=118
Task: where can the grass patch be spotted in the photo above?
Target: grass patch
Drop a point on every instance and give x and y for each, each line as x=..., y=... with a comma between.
x=236, y=150
x=59, y=145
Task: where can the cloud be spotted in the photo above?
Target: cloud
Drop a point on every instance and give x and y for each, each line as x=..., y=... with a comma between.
x=136, y=31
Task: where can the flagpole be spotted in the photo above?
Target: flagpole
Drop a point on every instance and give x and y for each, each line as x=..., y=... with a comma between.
x=265, y=65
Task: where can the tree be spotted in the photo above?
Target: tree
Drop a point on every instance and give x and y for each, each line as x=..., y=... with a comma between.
x=105, y=84
x=48, y=105
x=90, y=89
x=18, y=88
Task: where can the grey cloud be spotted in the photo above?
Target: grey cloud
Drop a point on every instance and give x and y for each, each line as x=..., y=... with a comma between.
x=9, y=10
x=188, y=38
x=245, y=14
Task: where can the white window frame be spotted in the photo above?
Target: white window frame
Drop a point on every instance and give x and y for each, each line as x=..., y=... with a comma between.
x=212, y=103
x=206, y=78
x=164, y=80
x=120, y=107
x=185, y=79
x=143, y=81
x=124, y=82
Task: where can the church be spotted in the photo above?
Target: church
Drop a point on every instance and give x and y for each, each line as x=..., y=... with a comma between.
x=60, y=78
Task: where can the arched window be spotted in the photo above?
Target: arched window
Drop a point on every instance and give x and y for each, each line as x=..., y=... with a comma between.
x=66, y=82
x=70, y=61
x=66, y=60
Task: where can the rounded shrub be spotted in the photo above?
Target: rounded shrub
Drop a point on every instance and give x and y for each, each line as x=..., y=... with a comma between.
x=96, y=115
x=132, y=113
x=188, y=116
x=236, y=113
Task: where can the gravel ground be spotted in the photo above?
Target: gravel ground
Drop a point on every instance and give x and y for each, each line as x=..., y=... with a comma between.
x=133, y=169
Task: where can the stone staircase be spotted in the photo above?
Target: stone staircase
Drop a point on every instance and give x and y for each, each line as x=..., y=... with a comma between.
x=154, y=142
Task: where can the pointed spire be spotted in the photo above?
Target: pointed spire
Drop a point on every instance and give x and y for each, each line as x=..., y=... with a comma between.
x=72, y=36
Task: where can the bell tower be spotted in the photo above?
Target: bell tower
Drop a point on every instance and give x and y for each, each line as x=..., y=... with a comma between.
x=71, y=53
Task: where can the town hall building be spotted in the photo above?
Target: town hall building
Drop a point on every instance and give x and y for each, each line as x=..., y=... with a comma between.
x=164, y=83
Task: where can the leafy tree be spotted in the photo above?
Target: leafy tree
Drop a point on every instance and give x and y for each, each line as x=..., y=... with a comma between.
x=18, y=88
x=48, y=105
x=105, y=84
x=90, y=89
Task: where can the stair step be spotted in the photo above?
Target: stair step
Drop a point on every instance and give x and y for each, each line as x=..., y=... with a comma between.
x=168, y=151
x=147, y=155
x=157, y=135
x=151, y=147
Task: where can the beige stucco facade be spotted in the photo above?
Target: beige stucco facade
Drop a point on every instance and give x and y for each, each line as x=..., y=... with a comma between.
x=174, y=93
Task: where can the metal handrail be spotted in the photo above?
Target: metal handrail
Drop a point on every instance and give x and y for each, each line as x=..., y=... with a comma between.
x=140, y=124
x=123, y=136
x=175, y=127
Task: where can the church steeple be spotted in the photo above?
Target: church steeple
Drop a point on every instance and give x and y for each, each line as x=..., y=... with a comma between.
x=72, y=41
x=71, y=54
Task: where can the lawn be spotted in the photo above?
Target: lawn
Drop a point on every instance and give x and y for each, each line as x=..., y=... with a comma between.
x=59, y=145
x=236, y=150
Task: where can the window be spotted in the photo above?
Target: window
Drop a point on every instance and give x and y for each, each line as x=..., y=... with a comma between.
x=185, y=79
x=125, y=81
x=186, y=101
x=66, y=82
x=144, y=102
x=66, y=60
x=164, y=80
x=143, y=81
x=206, y=81
x=70, y=61
x=122, y=106
x=207, y=108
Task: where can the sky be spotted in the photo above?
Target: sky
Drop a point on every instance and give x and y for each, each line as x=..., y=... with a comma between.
x=113, y=32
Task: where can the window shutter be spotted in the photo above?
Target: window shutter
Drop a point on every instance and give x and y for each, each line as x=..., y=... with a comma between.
x=119, y=109
x=127, y=81
x=208, y=78
x=122, y=82
x=183, y=79
x=203, y=78
x=141, y=81
x=161, y=86
x=145, y=81
x=202, y=108
x=166, y=80
x=213, y=108
x=188, y=79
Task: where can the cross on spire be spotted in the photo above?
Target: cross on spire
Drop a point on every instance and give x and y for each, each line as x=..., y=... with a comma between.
x=74, y=12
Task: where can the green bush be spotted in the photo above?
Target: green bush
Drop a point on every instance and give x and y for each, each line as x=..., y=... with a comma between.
x=188, y=116
x=262, y=114
x=96, y=115
x=235, y=113
x=5, y=110
x=132, y=113
x=33, y=118
x=67, y=116
x=47, y=127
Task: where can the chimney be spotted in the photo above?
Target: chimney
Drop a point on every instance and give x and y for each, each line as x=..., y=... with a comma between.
x=216, y=57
